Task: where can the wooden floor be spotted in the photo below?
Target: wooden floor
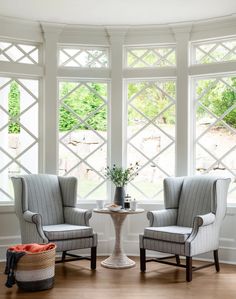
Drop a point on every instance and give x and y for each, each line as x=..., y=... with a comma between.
x=76, y=280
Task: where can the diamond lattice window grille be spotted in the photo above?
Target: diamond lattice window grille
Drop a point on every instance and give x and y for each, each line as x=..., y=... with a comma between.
x=151, y=135
x=18, y=131
x=215, y=134
x=214, y=51
x=83, y=57
x=83, y=135
x=19, y=52
x=151, y=56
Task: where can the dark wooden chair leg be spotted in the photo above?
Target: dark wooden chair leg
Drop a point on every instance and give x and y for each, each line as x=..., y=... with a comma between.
x=177, y=259
x=189, y=272
x=216, y=258
x=142, y=260
x=63, y=257
x=93, y=258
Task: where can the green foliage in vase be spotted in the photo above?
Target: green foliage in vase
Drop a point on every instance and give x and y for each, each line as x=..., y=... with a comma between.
x=120, y=176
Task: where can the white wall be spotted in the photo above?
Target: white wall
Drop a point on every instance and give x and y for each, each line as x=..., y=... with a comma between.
x=134, y=225
x=116, y=37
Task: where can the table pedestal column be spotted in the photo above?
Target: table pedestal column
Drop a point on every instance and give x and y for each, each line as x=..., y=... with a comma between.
x=118, y=259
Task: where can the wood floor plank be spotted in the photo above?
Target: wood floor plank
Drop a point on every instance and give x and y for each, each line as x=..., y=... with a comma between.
x=76, y=280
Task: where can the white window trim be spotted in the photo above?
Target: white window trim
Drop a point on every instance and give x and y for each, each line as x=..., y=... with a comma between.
x=118, y=74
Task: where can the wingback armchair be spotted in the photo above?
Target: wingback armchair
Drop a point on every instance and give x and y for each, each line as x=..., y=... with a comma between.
x=46, y=208
x=190, y=223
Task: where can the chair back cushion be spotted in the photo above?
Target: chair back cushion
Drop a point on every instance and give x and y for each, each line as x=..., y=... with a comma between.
x=197, y=198
x=43, y=196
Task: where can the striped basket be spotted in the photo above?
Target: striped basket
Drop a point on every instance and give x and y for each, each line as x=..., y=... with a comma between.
x=35, y=271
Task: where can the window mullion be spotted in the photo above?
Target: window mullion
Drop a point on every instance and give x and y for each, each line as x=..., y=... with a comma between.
x=182, y=104
x=50, y=148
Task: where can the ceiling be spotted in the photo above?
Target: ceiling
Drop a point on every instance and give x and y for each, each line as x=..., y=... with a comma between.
x=117, y=12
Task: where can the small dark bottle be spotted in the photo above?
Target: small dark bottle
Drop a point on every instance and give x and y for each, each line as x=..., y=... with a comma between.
x=127, y=202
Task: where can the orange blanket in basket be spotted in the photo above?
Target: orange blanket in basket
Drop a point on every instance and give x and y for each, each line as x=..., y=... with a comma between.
x=34, y=247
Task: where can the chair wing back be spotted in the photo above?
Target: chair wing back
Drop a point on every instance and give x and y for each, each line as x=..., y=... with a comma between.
x=40, y=194
x=198, y=197
x=172, y=191
x=68, y=186
x=19, y=196
x=222, y=187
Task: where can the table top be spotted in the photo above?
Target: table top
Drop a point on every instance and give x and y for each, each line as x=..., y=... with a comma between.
x=122, y=211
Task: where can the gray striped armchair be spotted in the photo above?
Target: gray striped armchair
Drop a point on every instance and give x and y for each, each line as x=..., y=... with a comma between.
x=190, y=223
x=46, y=208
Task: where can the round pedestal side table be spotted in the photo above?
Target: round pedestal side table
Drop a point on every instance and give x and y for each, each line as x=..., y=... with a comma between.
x=118, y=259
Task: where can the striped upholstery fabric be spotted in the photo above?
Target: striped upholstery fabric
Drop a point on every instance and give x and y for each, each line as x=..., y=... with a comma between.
x=163, y=246
x=197, y=198
x=177, y=234
x=77, y=216
x=46, y=208
x=172, y=190
x=163, y=217
x=66, y=231
x=74, y=244
x=205, y=240
x=69, y=190
x=45, y=190
x=199, y=214
x=30, y=233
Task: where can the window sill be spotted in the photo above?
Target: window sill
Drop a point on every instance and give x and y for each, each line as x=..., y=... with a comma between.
x=9, y=207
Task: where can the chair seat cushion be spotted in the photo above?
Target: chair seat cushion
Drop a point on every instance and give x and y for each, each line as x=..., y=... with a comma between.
x=66, y=231
x=177, y=234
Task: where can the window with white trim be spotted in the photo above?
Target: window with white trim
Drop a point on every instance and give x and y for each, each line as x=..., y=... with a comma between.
x=19, y=52
x=150, y=56
x=83, y=57
x=151, y=135
x=215, y=127
x=213, y=51
x=18, y=130
x=83, y=116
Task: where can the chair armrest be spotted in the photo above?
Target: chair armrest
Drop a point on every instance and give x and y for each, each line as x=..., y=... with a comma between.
x=77, y=216
x=36, y=219
x=32, y=217
x=165, y=217
x=201, y=221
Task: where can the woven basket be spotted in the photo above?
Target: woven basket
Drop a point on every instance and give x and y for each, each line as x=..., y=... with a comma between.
x=35, y=271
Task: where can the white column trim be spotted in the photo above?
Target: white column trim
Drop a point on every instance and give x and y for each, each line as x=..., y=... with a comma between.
x=51, y=33
x=116, y=37
x=117, y=125
x=182, y=34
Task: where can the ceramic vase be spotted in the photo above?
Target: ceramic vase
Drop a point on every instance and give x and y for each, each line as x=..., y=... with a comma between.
x=119, y=196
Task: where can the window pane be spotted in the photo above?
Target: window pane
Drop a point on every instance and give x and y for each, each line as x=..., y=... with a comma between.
x=151, y=136
x=158, y=56
x=83, y=57
x=18, y=131
x=21, y=53
x=211, y=52
x=83, y=136
x=215, y=109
